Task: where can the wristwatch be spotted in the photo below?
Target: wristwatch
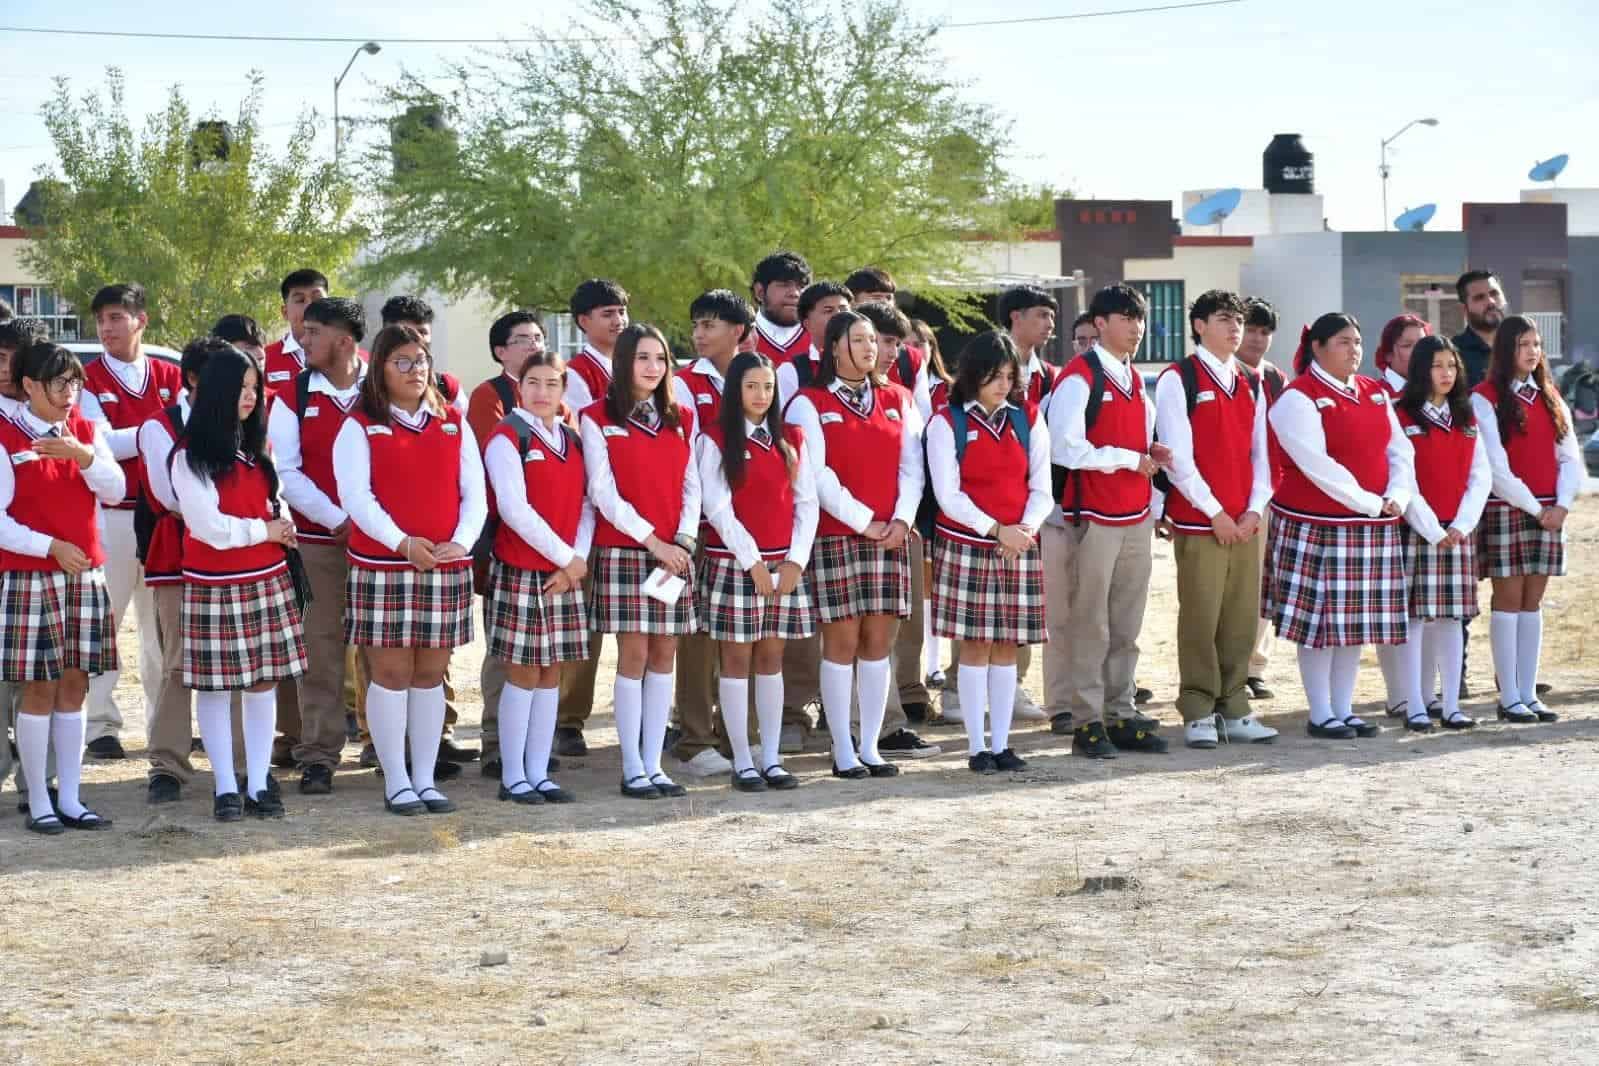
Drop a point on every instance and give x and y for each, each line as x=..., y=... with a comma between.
x=688, y=544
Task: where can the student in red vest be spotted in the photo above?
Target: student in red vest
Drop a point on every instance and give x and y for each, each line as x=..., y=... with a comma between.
x=1207, y=411
x=1260, y=326
x=121, y=389
x=56, y=625
x=863, y=440
x=286, y=358
x=780, y=332
x=993, y=496
x=818, y=304
x=759, y=500
x=643, y=483
x=1097, y=563
x=1453, y=479
x=302, y=426
x=240, y=620
x=902, y=364
x=1537, y=470
x=410, y=473
x=534, y=608
x=1335, y=557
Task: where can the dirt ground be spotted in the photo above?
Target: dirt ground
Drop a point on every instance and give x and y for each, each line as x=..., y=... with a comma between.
x=1398, y=900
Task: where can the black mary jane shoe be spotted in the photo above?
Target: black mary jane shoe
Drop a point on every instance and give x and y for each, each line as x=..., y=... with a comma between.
x=24, y=808
x=1332, y=729
x=264, y=804
x=555, y=793
x=1363, y=729
x=409, y=808
x=439, y=804
x=854, y=773
x=779, y=779
x=1544, y=713
x=1517, y=714
x=530, y=797
x=1458, y=721
x=667, y=787
x=50, y=825
x=748, y=780
x=982, y=763
x=646, y=791
x=1418, y=725
x=881, y=769
x=228, y=807
x=87, y=820
x=1398, y=710
x=1435, y=709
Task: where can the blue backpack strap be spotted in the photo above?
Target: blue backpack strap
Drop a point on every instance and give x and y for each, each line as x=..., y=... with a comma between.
x=957, y=419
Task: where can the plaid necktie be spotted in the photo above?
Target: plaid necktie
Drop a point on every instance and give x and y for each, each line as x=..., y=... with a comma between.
x=761, y=437
x=855, y=397
x=644, y=414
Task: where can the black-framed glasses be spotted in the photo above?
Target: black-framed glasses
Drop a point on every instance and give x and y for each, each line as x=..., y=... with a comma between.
x=405, y=364
x=63, y=386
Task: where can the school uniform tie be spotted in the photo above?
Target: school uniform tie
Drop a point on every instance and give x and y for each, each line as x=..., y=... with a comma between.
x=645, y=414
x=854, y=397
x=1528, y=391
x=761, y=437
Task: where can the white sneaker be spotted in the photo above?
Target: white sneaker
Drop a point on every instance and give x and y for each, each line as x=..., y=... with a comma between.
x=708, y=763
x=1247, y=730
x=1200, y=733
x=949, y=704
x=1025, y=710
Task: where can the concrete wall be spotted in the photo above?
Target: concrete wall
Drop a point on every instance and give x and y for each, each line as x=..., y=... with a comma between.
x=12, y=270
x=1302, y=274
x=1199, y=268
x=1373, y=264
x=1012, y=257
x=1582, y=305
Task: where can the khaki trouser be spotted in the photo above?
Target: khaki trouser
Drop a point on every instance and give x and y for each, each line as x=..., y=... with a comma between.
x=910, y=685
x=124, y=577
x=1218, y=599
x=321, y=733
x=698, y=668
x=1096, y=588
x=492, y=681
x=170, y=723
x=1260, y=654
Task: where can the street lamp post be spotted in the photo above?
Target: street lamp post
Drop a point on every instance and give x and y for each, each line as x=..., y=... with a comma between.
x=371, y=48
x=1382, y=168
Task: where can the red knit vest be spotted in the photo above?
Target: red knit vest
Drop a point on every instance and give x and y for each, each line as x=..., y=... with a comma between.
x=163, y=560
x=862, y=450
x=1223, y=425
x=993, y=473
x=129, y=410
x=707, y=398
x=416, y=477
x=1443, y=461
x=555, y=488
x=649, y=466
x=51, y=496
x=781, y=353
x=242, y=492
x=764, y=503
x=320, y=423
x=282, y=367
x=1121, y=497
x=1532, y=450
x=1357, y=439
x=594, y=374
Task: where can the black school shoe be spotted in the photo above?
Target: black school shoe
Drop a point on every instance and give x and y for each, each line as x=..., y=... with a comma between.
x=105, y=748
x=916, y=712
x=569, y=742
x=1363, y=729
x=1131, y=735
x=982, y=763
x=317, y=780
x=1332, y=729
x=450, y=751
x=1544, y=713
x=1090, y=742
x=264, y=804
x=228, y=807
x=1008, y=760
x=749, y=780
x=1257, y=688
x=1061, y=724
x=164, y=788
x=640, y=791
x=904, y=744
x=87, y=820
x=881, y=769
x=1517, y=714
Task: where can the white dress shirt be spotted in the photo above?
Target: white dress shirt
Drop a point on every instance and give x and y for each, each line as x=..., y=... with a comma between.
x=1506, y=485
x=1176, y=431
x=834, y=498
x=619, y=512
x=352, y=471
x=506, y=473
x=1423, y=519
x=283, y=433
x=155, y=447
x=1393, y=378
x=1301, y=434
x=103, y=476
x=134, y=375
x=577, y=390
x=200, y=505
x=1069, y=445
x=954, y=501
x=716, y=499
x=788, y=377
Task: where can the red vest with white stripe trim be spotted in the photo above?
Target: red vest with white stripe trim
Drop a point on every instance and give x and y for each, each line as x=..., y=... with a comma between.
x=1356, y=428
x=320, y=423
x=1532, y=450
x=1223, y=425
x=649, y=467
x=1041, y=382
x=129, y=410
x=862, y=450
x=163, y=561
x=707, y=398
x=555, y=486
x=993, y=473
x=1443, y=461
x=51, y=496
x=781, y=353
x=938, y=396
x=1121, y=497
x=282, y=367
x=593, y=374
x=764, y=503
x=416, y=477
x=242, y=492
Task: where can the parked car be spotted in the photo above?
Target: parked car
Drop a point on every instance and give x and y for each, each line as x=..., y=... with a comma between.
x=88, y=351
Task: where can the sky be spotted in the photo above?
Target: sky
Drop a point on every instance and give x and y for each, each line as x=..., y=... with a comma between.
x=1136, y=105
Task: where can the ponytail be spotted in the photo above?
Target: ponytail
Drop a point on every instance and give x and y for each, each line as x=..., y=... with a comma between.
x=1321, y=331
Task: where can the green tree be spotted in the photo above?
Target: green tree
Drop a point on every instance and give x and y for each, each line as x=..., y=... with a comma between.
x=1026, y=208
x=672, y=147
x=206, y=236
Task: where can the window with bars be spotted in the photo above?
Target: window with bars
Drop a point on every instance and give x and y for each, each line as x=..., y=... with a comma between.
x=1166, y=331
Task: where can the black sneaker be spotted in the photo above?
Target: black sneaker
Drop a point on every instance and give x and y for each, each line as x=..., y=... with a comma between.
x=1142, y=695
x=673, y=735
x=227, y=807
x=1130, y=735
x=317, y=780
x=443, y=771
x=105, y=748
x=916, y=712
x=1257, y=688
x=491, y=767
x=569, y=742
x=903, y=744
x=264, y=804
x=164, y=788
x=283, y=756
x=369, y=758
x=982, y=763
x=450, y=751
x=196, y=746
x=1090, y=742
x=1061, y=724
x=1009, y=760
x=1140, y=720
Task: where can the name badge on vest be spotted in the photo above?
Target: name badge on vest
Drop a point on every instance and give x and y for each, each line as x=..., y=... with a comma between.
x=1109, y=397
x=1471, y=431
x=704, y=398
x=380, y=431
x=1379, y=397
x=279, y=375
x=18, y=458
x=166, y=394
x=534, y=457
x=1203, y=397
x=451, y=428
x=1323, y=403
x=892, y=414
x=971, y=435
x=614, y=431
x=312, y=411
x=831, y=416
x=1412, y=431
x=107, y=397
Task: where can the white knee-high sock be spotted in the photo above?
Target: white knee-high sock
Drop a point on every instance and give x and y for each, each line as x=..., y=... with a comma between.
x=930, y=656
x=1345, y=669
x=516, y=708
x=657, y=708
x=66, y=733
x=1505, y=637
x=1429, y=659
x=214, y=712
x=1001, y=704
x=734, y=693
x=424, y=728
x=1391, y=657
x=540, y=735
x=628, y=697
x=1448, y=642
x=33, y=747
x=386, y=721
x=1315, y=674
x=838, y=683
x=872, y=677
x=972, y=683
x=258, y=712
x=769, y=716
x=1529, y=646
x=1416, y=667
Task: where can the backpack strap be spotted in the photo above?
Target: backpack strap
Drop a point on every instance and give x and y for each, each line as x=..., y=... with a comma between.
x=1188, y=371
x=504, y=390
x=302, y=393
x=905, y=365
x=803, y=370
x=1275, y=382
x=1096, y=389
x=957, y=419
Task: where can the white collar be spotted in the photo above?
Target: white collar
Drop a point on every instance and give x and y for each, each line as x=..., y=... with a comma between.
x=552, y=436
x=10, y=407
x=704, y=366
x=127, y=370
x=1223, y=367
x=751, y=427
x=816, y=354
x=1034, y=365
x=292, y=346
x=838, y=385
x=321, y=383
x=1114, y=366
x=1392, y=377
x=977, y=405
x=1521, y=383
x=415, y=421
x=1348, y=389
x=1430, y=408
x=37, y=425
x=596, y=355
x=782, y=335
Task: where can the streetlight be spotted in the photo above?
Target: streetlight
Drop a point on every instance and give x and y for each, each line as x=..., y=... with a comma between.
x=371, y=48
x=1383, y=167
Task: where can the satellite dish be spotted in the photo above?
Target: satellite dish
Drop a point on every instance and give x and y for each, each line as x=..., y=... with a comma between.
x=1416, y=218
x=1549, y=169
x=1214, y=209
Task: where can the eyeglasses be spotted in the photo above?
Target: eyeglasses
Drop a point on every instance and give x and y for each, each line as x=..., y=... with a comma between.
x=523, y=341
x=63, y=386
x=405, y=365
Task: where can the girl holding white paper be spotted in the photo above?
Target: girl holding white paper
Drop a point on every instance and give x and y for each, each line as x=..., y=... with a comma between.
x=643, y=482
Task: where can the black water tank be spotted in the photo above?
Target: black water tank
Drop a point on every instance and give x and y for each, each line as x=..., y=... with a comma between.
x=34, y=208
x=211, y=142
x=1287, y=166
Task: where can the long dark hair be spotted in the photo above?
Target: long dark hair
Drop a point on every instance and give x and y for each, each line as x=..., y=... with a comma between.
x=619, y=394
x=838, y=327
x=1320, y=331
x=375, y=392
x=1418, y=383
x=984, y=356
x=731, y=419
x=1502, y=371
x=213, y=436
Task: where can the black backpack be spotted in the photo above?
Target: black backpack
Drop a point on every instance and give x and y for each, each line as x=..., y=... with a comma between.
x=145, y=517
x=1058, y=475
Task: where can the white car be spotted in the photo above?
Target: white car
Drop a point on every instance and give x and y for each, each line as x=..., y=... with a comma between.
x=88, y=351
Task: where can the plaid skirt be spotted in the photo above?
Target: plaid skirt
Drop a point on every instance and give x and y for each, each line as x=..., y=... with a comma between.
x=527, y=626
x=1511, y=543
x=732, y=611
x=407, y=608
x=1328, y=586
x=979, y=595
x=241, y=635
x=51, y=621
x=1443, y=581
x=620, y=605
x=852, y=577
